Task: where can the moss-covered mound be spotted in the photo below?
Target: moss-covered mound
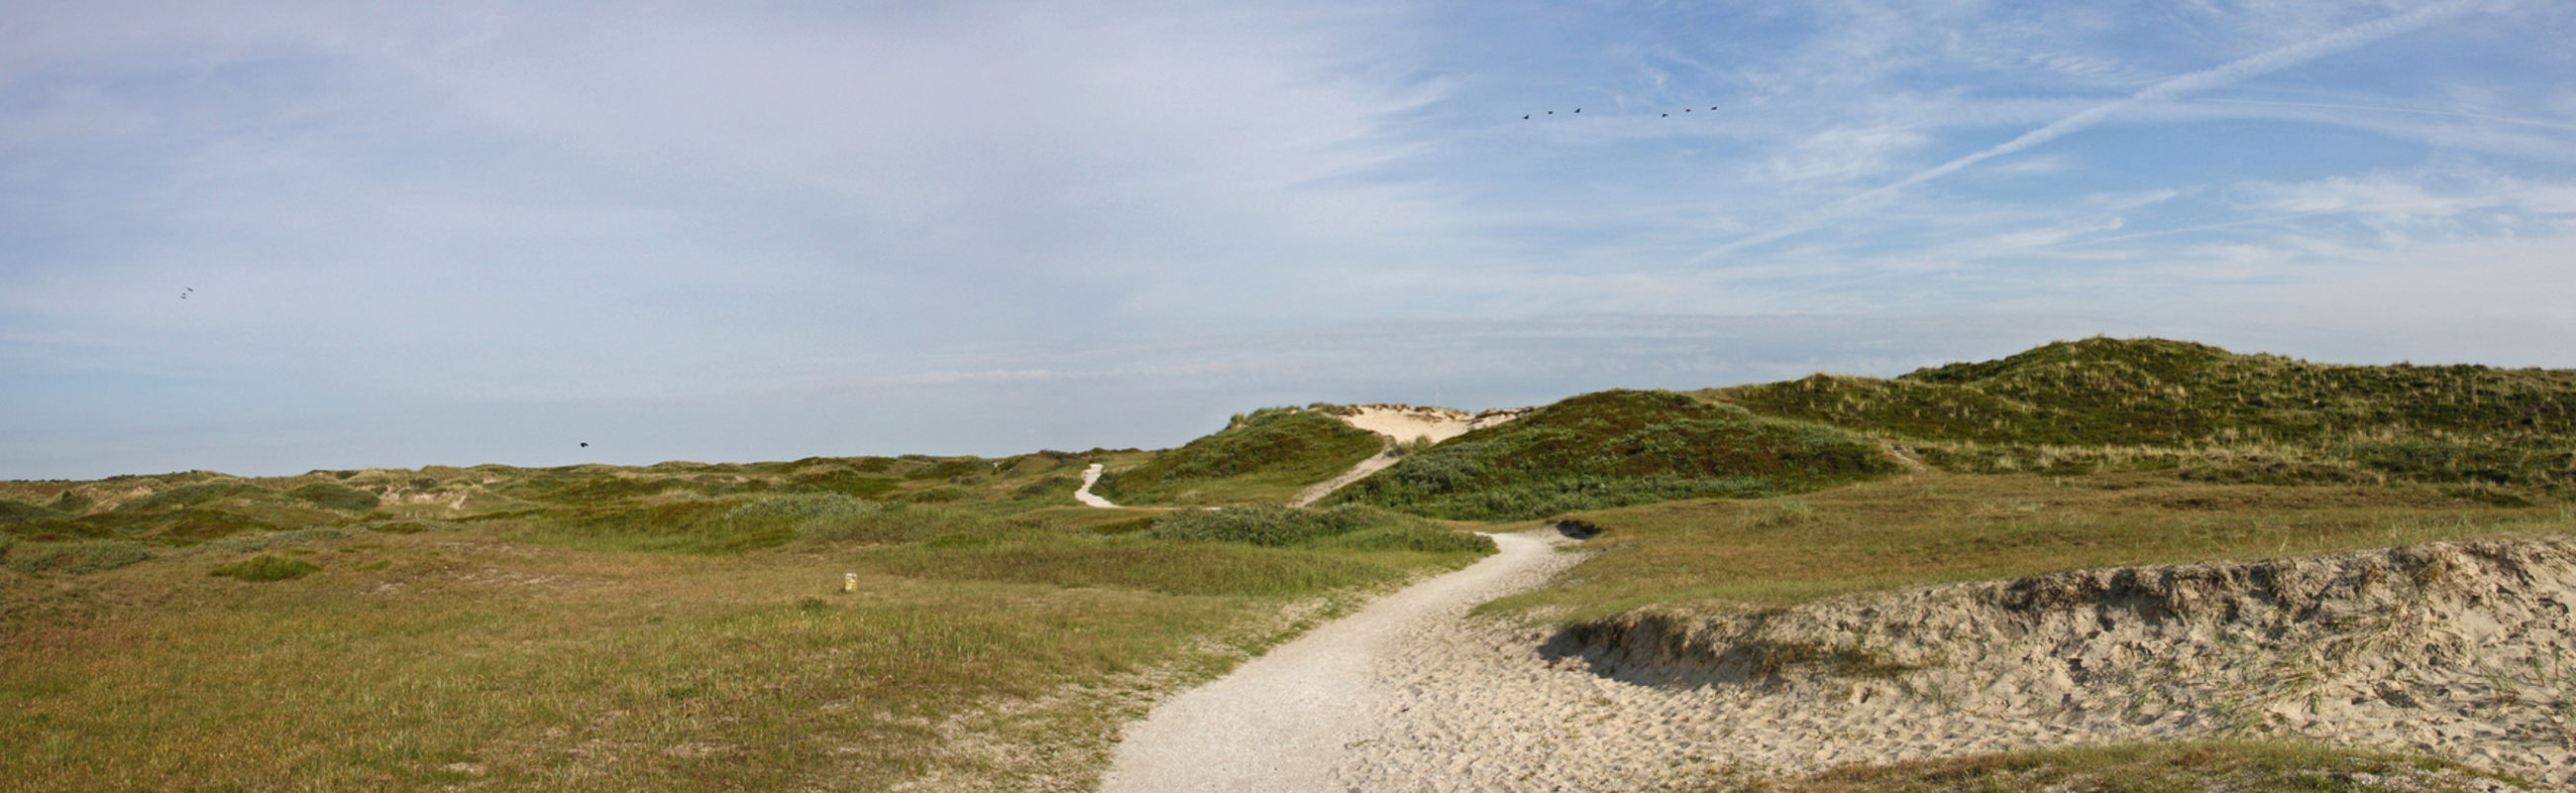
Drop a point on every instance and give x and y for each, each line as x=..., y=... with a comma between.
x=1616, y=448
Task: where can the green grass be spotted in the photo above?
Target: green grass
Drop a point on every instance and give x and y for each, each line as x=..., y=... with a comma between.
x=1941, y=527
x=2180, y=767
x=1616, y=448
x=72, y=558
x=667, y=641
x=1266, y=456
x=601, y=505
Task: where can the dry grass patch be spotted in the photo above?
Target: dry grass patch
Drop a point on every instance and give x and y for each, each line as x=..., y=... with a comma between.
x=455, y=660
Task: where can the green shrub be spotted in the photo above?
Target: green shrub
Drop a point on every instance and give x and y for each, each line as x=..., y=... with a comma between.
x=410, y=526
x=1349, y=527
x=1268, y=525
x=827, y=518
x=75, y=558
x=72, y=503
x=191, y=495
x=336, y=497
x=1616, y=448
x=937, y=495
x=1417, y=535
x=842, y=481
x=2146, y=403
x=266, y=567
x=1128, y=562
x=12, y=511
x=265, y=540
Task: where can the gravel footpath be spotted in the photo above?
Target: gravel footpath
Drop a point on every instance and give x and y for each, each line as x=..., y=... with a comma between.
x=1295, y=718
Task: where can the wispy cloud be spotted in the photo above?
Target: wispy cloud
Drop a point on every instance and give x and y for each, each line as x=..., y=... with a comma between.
x=2162, y=91
x=736, y=231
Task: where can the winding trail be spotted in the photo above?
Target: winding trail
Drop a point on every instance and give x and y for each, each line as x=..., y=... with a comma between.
x=1375, y=463
x=1091, y=476
x=1289, y=720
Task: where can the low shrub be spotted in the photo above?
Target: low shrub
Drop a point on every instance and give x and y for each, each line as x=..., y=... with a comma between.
x=832, y=518
x=12, y=511
x=1267, y=525
x=342, y=498
x=1348, y=527
x=411, y=526
x=266, y=567
x=248, y=543
x=75, y=558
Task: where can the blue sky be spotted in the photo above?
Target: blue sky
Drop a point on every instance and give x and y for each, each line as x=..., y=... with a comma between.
x=467, y=232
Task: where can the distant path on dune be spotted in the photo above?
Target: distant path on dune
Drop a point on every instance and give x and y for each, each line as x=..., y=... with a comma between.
x=1091, y=476
x=1375, y=463
x=1287, y=721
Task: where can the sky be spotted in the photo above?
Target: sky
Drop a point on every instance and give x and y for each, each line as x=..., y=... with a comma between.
x=269, y=236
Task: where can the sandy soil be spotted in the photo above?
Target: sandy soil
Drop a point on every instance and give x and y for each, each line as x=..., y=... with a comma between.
x=1091, y=476
x=1289, y=720
x=2455, y=649
x=1408, y=422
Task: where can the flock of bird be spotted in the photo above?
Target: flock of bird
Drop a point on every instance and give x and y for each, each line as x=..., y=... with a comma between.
x=183, y=293
x=1526, y=116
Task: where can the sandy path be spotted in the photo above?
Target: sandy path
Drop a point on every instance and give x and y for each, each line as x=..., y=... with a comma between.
x=1091, y=476
x=1289, y=720
x=1375, y=463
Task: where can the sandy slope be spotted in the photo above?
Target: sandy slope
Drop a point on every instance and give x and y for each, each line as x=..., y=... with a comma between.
x=1288, y=721
x=2456, y=649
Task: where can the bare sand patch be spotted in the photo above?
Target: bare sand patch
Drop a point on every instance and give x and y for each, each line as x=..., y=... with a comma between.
x=2459, y=650
x=1406, y=423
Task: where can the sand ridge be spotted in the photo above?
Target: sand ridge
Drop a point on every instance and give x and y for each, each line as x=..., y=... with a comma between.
x=1404, y=423
x=2454, y=649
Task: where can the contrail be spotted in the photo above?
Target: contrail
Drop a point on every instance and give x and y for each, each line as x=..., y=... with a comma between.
x=2221, y=75
x=2406, y=110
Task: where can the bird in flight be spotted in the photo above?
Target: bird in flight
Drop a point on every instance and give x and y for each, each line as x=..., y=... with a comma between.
x=183, y=293
x=585, y=444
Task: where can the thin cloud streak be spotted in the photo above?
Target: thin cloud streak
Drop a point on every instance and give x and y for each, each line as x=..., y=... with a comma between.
x=2527, y=122
x=2178, y=87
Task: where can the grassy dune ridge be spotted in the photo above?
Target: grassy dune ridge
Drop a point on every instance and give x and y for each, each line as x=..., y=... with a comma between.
x=2153, y=404
x=1616, y=448
x=1262, y=457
